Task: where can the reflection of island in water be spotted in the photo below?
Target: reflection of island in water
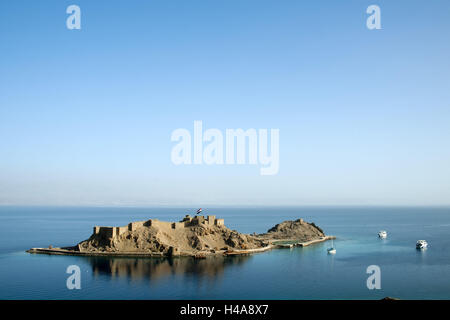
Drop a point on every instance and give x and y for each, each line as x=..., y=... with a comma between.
x=154, y=269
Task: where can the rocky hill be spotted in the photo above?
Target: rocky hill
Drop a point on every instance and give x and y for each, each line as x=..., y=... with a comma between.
x=295, y=230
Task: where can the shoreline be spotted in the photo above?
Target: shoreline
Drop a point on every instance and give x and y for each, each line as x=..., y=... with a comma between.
x=198, y=255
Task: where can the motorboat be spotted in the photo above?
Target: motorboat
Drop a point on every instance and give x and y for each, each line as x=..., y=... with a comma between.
x=421, y=244
x=382, y=234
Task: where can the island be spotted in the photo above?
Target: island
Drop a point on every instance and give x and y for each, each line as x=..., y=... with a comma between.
x=196, y=236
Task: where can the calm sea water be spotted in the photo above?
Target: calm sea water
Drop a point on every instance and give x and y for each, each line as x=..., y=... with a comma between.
x=299, y=273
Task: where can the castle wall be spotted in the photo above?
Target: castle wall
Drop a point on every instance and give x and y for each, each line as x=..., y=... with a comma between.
x=178, y=225
x=157, y=223
x=106, y=232
x=112, y=232
x=201, y=219
x=211, y=220
x=186, y=221
x=120, y=230
x=132, y=226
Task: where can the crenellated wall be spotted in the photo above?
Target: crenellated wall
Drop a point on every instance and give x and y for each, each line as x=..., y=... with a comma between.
x=211, y=220
x=120, y=230
x=178, y=225
x=105, y=232
x=112, y=232
x=132, y=226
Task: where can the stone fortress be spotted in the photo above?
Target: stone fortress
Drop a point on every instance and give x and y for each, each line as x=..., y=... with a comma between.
x=188, y=221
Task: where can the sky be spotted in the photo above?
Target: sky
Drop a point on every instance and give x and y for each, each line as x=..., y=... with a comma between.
x=86, y=116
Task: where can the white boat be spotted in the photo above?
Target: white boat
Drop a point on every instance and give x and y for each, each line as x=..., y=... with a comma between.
x=331, y=250
x=421, y=244
x=382, y=234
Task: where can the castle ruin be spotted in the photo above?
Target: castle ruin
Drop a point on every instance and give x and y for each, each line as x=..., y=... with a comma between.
x=188, y=221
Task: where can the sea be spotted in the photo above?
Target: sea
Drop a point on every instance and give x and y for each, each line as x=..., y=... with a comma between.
x=296, y=273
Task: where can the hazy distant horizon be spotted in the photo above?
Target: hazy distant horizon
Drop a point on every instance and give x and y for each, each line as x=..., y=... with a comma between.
x=224, y=206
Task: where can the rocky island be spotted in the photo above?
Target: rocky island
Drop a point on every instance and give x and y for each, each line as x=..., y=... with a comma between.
x=197, y=236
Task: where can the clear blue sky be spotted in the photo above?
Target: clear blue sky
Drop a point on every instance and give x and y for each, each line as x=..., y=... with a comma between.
x=86, y=115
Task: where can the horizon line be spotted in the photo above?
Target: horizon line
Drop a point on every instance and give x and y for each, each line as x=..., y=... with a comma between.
x=112, y=206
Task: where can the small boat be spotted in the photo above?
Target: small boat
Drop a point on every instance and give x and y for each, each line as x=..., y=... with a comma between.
x=382, y=234
x=421, y=244
x=331, y=250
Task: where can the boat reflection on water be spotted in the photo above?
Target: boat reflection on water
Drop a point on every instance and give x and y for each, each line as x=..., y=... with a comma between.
x=153, y=269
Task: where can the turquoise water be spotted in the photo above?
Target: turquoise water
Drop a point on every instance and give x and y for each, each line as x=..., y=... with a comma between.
x=298, y=273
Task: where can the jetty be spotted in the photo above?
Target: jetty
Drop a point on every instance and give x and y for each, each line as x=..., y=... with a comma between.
x=289, y=243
